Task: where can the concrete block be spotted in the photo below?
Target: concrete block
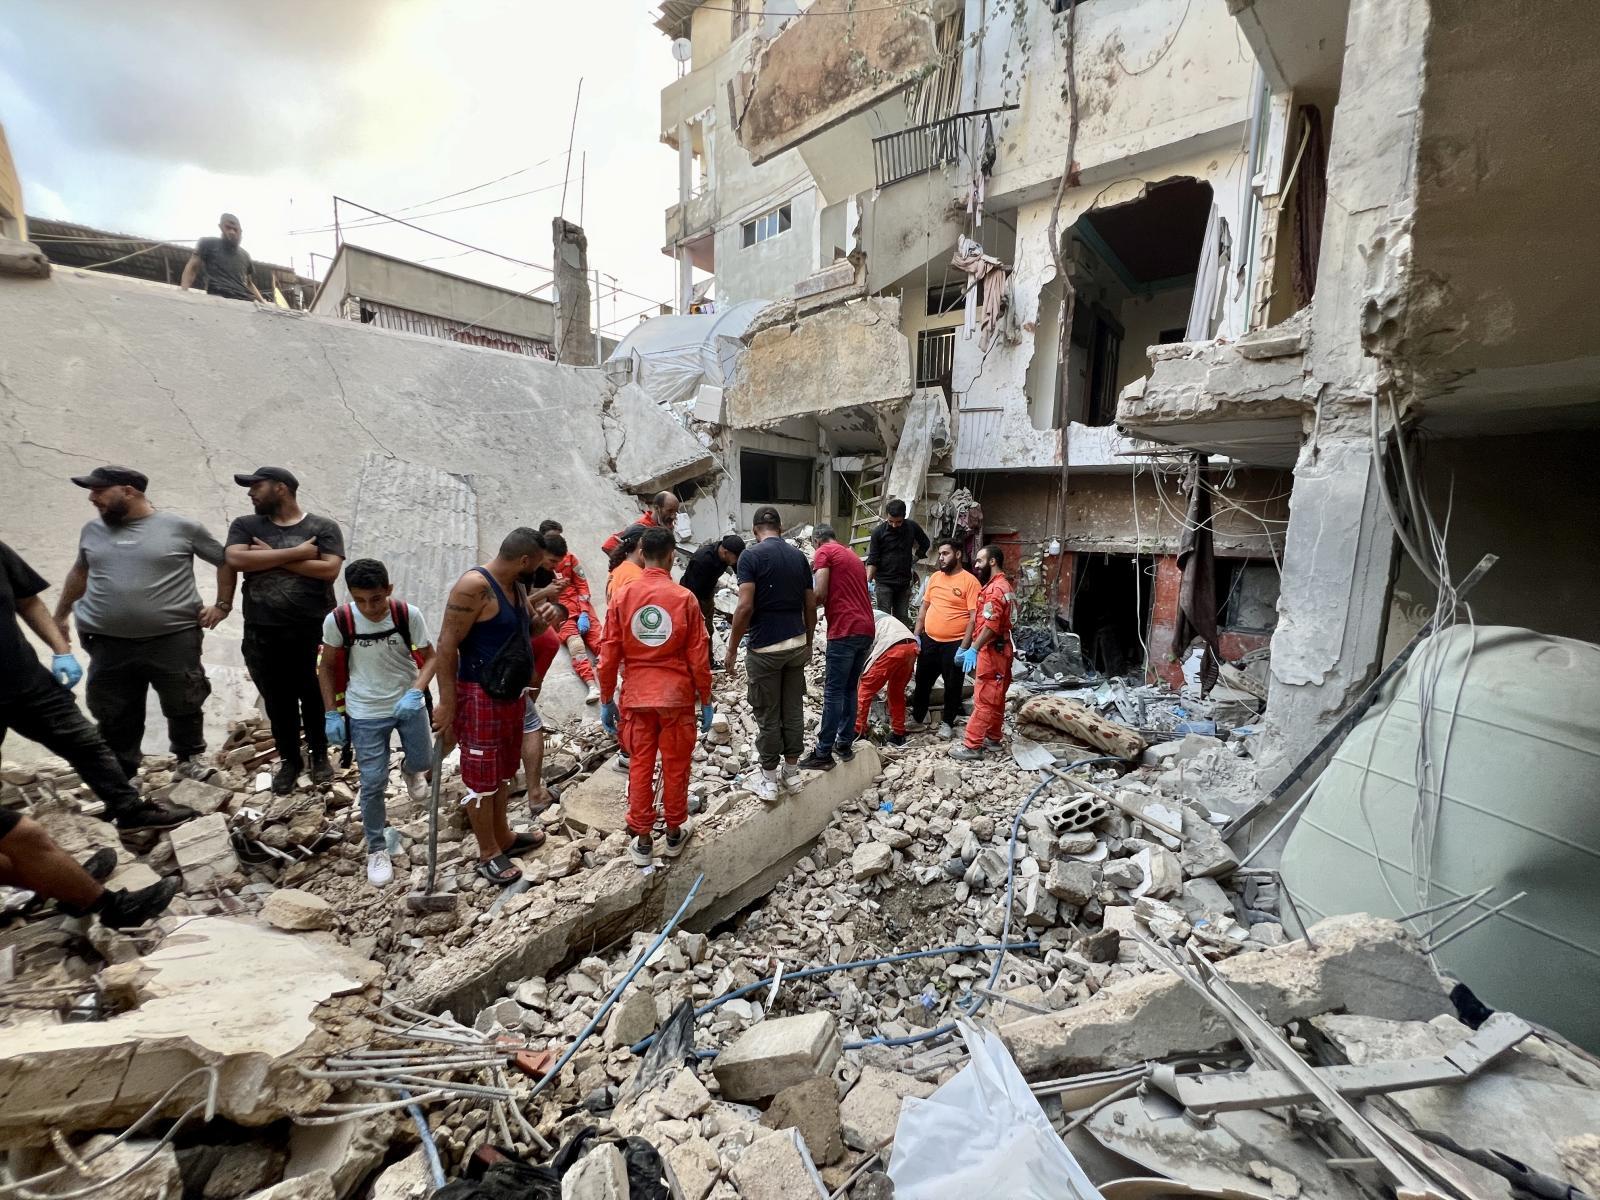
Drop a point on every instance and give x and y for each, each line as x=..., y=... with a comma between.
x=775, y=1168
x=632, y=1019
x=812, y=1109
x=1073, y=882
x=1361, y=965
x=871, y=1111
x=869, y=859
x=345, y=1154
x=156, y=1180
x=1163, y=874
x=295, y=910
x=694, y=1165
x=408, y=1179
x=203, y=852
x=601, y=1174
x=778, y=1053
x=204, y=798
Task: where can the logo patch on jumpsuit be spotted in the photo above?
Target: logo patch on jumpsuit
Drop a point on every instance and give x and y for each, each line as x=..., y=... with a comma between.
x=651, y=625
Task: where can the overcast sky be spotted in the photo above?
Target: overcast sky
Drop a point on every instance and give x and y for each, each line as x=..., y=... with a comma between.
x=151, y=117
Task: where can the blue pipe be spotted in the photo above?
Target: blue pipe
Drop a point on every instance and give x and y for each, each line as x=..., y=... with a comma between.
x=618, y=990
x=430, y=1148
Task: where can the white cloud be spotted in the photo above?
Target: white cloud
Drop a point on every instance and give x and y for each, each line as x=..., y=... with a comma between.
x=152, y=118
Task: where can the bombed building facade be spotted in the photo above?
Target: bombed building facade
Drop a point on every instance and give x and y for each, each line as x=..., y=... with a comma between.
x=1250, y=330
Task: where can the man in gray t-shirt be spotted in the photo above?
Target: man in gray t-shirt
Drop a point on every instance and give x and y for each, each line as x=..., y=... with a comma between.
x=140, y=617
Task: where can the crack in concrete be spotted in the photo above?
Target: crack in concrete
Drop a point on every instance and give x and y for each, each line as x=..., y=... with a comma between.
x=345, y=401
x=172, y=398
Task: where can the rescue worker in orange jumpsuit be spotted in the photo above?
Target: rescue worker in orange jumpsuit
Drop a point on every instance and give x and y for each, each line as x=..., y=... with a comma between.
x=654, y=634
x=580, y=632
x=988, y=655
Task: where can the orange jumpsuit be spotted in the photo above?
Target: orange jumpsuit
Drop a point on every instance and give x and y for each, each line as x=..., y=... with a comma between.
x=610, y=543
x=655, y=634
x=575, y=601
x=993, y=674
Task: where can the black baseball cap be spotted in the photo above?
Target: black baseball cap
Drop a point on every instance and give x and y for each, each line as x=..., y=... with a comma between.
x=113, y=477
x=766, y=517
x=276, y=474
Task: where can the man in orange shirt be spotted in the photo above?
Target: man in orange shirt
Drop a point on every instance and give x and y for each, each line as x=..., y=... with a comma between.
x=989, y=656
x=944, y=628
x=654, y=633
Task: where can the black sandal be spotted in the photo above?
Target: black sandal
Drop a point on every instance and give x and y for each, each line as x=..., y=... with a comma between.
x=530, y=839
x=500, y=870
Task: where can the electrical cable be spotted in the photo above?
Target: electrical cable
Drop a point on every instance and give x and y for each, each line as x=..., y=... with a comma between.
x=430, y=1148
x=617, y=991
x=370, y=222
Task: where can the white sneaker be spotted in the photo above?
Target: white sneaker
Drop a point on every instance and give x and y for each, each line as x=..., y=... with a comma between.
x=793, y=781
x=380, y=871
x=944, y=730
x=619, y=764
x=594, y=693
x=417, y=786
x=675, y=842
x=765, y=786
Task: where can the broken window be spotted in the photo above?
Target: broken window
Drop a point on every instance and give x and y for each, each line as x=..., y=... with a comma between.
x=767, y=225
x=1250, y=594
x=1111, y=609
x=774, y=478
x=946, y=298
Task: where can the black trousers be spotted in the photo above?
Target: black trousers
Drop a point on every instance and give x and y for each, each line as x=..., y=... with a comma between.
x=706, y=611
x=121, y=673
x=937, y=660
x=282, y=661
x=895, y=599
x=43, y=711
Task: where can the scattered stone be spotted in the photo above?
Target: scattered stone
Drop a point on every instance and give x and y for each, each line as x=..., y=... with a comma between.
x=601, y=1174
x=203, y=851
x=871, y=1110
x=242, y=1169
x=156, y=1180
x=295, y=910
x=681, y=1096
x=633, y=1019
x=812, y=1108
x=774, y=1168
x=314, y=1186
x=407, y=1179
x=694, y=1165
x=778, y=1053
x=1073, y=882
x=204, y=798
x=870, y=859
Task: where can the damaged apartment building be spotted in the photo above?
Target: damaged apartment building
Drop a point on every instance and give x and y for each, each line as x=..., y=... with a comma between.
x=1270, y=227
x=867, y=196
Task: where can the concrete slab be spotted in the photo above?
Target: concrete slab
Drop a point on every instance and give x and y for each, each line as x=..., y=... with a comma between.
x=222, y=991
x=742, y=853
x=599, y=804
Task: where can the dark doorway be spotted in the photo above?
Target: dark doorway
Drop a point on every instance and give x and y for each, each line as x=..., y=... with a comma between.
x=1111, y=609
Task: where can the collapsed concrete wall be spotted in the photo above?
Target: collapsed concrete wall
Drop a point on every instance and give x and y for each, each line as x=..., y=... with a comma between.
x=819, y=72
x=425, y=451
x=835, y=358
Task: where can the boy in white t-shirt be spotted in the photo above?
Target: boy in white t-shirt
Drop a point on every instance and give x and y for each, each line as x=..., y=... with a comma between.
x=376, y=663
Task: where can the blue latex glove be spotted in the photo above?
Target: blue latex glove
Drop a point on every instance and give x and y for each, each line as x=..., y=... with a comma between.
x=583, y=622
x=333, y=726
x=608, y=717
x=872, y=588
x=968, y=659
x=707, y=711
x=410, y=703
x=66, y=670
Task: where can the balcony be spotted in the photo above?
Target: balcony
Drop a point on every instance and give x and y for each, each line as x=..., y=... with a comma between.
x=924, y=148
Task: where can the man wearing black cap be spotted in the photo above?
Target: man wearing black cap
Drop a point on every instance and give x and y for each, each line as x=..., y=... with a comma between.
x=38, y=704
x=140, y=617
x=706, y=568
x=289, y=560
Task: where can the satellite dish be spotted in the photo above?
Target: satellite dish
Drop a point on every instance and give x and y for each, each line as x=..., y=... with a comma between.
x=682, y=49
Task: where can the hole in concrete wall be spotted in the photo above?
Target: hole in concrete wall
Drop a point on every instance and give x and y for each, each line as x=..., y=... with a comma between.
x=1133, y=266
x=1111, y=609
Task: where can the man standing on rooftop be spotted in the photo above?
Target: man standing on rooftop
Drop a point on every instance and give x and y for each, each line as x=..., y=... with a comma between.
x=225, y=263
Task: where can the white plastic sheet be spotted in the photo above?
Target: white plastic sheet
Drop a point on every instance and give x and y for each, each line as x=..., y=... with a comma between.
x=983, y=1134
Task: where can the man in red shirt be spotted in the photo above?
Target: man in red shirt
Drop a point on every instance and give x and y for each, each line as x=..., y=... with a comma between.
x=662, y=515
x=989, y=655
x=581, y=631
x=840, y=581
x=654, y=635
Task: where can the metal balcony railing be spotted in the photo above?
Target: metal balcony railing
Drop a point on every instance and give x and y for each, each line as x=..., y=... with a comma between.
x=924, y=148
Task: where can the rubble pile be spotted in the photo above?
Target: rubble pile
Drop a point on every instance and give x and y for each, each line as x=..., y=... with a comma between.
x=779, y=1052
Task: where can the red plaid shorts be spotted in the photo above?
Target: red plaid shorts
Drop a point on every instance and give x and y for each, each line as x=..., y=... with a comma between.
x=489, y=733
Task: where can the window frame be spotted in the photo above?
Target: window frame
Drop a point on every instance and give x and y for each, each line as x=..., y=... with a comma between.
x=763, y=227
x=762, y=465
